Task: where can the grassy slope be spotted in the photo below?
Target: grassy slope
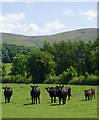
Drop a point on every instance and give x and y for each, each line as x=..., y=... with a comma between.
x=37, y=41
x=20, y=106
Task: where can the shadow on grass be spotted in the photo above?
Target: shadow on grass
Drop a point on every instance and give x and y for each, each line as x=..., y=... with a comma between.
x=28, y=104
x=86, y=100
x=55, y=105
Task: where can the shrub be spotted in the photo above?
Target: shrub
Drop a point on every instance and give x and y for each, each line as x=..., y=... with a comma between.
x=52, y=80
x=67, y=75
x=6, y=79
x=82, y=80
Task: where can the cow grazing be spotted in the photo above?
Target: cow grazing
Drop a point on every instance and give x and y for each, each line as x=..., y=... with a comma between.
x=35, y=94
x=52, y=93
x=89, y=94
x=7, y=93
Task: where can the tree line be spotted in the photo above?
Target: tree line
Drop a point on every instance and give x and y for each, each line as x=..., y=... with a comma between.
x=63, y=62
x=9, y=51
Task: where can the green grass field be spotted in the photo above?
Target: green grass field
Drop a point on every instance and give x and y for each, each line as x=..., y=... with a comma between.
x=21, y=107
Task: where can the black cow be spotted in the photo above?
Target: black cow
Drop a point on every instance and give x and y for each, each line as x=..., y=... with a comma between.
x=35, y=93
x=7, y=93
x=62, y=93
x=52, y=93
x=69, y=91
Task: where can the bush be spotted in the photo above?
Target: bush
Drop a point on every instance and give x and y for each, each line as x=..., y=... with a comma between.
x=52, y=80
x=67, y=75
x=16, y=79
x=6, y=79
x=85, y=80
x=28, y=80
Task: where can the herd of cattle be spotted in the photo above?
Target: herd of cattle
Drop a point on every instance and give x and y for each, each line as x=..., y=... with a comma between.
x=59, y=91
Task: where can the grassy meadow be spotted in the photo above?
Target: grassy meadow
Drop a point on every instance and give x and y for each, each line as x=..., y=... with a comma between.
x=21, y=107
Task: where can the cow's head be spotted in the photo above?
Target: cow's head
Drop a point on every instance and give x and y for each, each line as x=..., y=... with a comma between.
x=34, y=87
x=59, y=87
x=48, y=89
x=6, y=88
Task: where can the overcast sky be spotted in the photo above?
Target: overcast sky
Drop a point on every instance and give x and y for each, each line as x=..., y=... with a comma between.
x=45, y=18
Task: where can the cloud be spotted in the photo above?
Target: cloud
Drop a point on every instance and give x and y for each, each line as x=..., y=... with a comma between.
x=13, y=23
x=68, y=11
x=55, y=25
x=12, y=18
x=90, y=14
x=10, y=22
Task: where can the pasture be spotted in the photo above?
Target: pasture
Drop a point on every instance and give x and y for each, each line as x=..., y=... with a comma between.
x=21, y=107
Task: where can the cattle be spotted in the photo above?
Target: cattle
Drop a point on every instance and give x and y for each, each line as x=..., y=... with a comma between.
x=35, y=94
x=7, y=93
x=69, y=91
x=52, y=93
x=59, y=91
x=62, y=93
x=89, y=94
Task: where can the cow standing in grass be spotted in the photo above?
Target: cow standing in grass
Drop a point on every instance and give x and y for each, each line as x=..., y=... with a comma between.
x=89, y=94
x=7, y=93
x=59, y=91
x=69, y=91
x=52, y=93
x=35, y=94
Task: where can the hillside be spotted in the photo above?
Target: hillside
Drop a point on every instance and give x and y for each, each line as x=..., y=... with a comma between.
x=37, y=41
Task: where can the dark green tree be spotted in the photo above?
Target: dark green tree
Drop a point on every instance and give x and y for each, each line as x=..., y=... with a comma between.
x=40, y=64
x=19, y=65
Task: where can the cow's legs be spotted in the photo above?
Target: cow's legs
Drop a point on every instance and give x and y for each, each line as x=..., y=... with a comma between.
x=94, y=95
x=36, y=100
x=88, y=97
x=5, y=99
x=32, y=100
x=51, y=99
x=85, y=97
x=39, y=99
x=68, y=97
x=64, y=99
x=54, y=99
x=8, y=99
x=59, y=101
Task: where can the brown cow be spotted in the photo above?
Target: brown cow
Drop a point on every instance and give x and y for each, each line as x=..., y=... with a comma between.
x=89, y=93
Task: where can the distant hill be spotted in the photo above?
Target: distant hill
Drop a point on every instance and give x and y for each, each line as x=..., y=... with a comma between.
x=37, y=41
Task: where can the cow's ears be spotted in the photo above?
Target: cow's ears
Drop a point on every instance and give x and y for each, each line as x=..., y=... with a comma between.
x=3, y=87
x=37, y=86
x=31, y=86
x=45, y=88
x=57, y=86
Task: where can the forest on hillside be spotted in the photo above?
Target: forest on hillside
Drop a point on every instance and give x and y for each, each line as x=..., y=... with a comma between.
x=9, y=51
x=64, y=62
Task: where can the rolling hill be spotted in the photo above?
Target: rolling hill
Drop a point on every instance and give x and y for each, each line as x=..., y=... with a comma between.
x=37, y=41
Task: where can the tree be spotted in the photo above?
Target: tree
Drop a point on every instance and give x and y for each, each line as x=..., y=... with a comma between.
x=67, y=75
x=40, y=64
x=19, y=65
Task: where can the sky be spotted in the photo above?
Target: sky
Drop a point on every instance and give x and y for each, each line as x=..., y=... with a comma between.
x=46, y=18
